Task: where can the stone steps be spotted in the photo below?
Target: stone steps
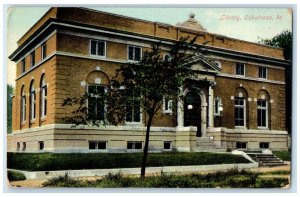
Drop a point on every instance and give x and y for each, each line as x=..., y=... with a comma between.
x=266, y=159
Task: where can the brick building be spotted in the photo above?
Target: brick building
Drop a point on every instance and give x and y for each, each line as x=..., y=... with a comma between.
x=239, y=100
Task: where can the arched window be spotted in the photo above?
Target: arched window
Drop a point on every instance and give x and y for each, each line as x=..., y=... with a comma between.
x=23, y=105
x=43, y=96
x=263, y=109
x=32, y=101
x=240, y=108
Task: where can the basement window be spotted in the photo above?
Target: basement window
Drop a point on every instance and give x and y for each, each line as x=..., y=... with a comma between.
x=41, y=145
x=18, y=146
x=134, y=145
x=24, y=146
x=264, y=145
x=167, y=145
x=97, y=145
x=241, y=145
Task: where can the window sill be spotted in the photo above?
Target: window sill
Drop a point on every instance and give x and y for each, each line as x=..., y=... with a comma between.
x=168, y=112
x=240, y=75
x=23, y=123
x=98, y=56
x=240, y=127
x=43, y=118
x=263, y=128
x=32, y=121
x=133, y=124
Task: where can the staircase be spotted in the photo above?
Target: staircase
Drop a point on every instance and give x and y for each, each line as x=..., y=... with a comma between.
x=205, y=144
x=269, y=160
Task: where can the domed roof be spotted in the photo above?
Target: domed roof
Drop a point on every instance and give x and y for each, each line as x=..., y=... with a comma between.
x=191, y=23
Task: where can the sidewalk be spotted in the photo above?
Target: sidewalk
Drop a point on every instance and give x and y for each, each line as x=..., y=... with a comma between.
x=38, y=183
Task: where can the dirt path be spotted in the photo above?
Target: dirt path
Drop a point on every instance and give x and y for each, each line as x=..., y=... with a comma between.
x=38, y=183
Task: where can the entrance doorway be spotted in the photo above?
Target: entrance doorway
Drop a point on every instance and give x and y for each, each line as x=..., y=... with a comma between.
x=192, y=111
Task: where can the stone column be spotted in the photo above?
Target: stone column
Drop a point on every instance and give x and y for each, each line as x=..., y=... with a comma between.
x=180, y=113
x=211, y=105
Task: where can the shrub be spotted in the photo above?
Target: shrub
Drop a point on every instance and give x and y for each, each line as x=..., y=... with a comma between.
x=72, y=161
x=283, y=155
x=63, y=181
x=15, y=176
x=271, y=182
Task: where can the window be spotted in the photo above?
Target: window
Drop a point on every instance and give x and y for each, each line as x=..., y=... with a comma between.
x=44, y=97
x=134, y=53
x=94, y=145
x=262, y=113
x=133, y=109
x=23, y=69
x=18, y=146
x=95, y=102
x=240, y=112
x=262, y=72
x=24, y=146
x=167, y=106
x=167, y=145
x=217, y=105
x=32, y=102
x=98, y=48
x=134, y=145
x=240, y=69
x=44, y=50
x=32, y=59
x=241, y=145
x=23, y=106
x=41, y=145
x=264, y=145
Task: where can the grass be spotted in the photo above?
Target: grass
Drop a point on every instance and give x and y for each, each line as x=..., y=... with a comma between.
x=230, y=179
x=283, y=155
x=72, y=161
x=15, y=176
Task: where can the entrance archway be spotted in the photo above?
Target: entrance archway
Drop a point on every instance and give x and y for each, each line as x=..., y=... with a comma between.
x=192, y=111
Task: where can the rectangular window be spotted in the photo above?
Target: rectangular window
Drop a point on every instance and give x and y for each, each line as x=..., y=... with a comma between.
x=94, y=145
x=134, y=53
x=18, y=146
x=217, y=105
x=41, y=145
x=264, y=145
x=241, y=145
x=134, y=145
x=167, y=145
x=98, y=48
x=32, y=59
x=23, y=69
x=167, y=105
x=133, y=109
x=24, y=146
x=262, y=113
x=262, y=72
x=95, y=102
x=44, y=50
x=240, y=112
x=240, y=69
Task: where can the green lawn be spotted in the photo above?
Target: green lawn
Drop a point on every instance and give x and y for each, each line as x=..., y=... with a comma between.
x=283, y=155
x=72, y=161
x=229, y=179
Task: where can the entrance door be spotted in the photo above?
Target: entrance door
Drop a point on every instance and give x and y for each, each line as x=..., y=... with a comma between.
x=192, y=111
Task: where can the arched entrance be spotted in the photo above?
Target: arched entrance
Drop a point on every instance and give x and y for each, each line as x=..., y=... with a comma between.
x=192, y=111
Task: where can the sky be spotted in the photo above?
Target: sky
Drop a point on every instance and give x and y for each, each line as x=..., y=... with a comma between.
x=242, y=23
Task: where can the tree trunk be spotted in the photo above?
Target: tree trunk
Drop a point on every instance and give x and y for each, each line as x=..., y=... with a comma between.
x=143, y=169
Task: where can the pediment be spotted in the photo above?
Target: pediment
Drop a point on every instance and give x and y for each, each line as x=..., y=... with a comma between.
x=201, y=63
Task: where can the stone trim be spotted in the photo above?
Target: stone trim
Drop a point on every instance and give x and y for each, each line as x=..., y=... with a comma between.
x=250, y=78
